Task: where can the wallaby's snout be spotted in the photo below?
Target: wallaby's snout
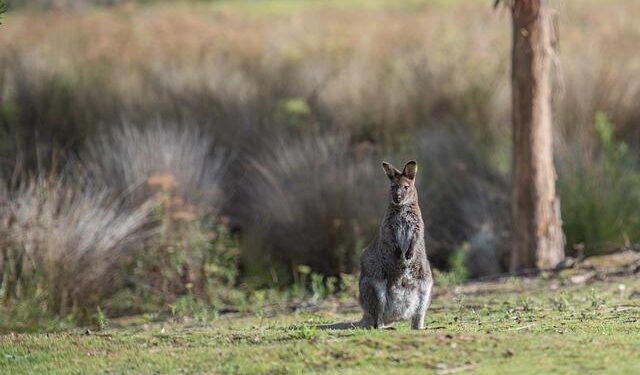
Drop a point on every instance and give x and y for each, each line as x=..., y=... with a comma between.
x=398, y=193
x=403, y=188
x=397, y=197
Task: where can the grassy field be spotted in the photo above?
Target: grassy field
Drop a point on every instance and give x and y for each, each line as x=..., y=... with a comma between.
x=525, y=326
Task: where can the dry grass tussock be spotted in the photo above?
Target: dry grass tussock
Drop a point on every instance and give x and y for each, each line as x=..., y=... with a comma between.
x=313, y=202
x=66, y=246
x=179, y=159
x=135, y=214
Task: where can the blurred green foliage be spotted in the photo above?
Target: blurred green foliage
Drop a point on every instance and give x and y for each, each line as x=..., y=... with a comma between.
x=3, y=9
x=601, y=195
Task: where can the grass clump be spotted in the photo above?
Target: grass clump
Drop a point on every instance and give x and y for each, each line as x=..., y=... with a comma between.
x=131, y=227
x=64, y=249
x=311, y=203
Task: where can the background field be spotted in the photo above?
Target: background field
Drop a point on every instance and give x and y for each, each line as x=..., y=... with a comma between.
x=214, y=154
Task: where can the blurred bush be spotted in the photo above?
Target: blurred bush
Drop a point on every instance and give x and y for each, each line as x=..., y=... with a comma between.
x=466, y=202
x=600, y=193
x=378, y=77
x=182, y=170
x=313, y=202
x=243, y=76
x=181, y=160
x=65, y=246
x=131, y=226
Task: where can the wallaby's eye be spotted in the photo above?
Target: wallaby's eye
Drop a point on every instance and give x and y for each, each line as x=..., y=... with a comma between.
x=406, y=188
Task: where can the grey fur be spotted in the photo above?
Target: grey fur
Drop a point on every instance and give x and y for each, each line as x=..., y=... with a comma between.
x=395, y=280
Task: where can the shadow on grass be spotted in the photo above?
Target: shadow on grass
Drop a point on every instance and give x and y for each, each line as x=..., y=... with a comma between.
x=341, y=326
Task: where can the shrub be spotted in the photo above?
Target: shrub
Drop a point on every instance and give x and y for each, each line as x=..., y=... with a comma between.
x=318, y=201
x=66, y=247
x=465, y=201
x=3, y=9
x=198, y=259
x=600, y=193
x=182, y=171
x=182, y=162
x=132, y=226
x=312, y=202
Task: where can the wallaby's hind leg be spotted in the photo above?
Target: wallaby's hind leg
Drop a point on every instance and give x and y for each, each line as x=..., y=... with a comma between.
x=417, y=321
x=373, y=299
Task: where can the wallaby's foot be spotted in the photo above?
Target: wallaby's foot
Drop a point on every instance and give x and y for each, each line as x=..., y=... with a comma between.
x=417, y=322
x=373, y=300
x=379, y=325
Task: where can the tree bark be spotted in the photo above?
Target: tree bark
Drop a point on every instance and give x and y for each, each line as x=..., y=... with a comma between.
x=538, y=241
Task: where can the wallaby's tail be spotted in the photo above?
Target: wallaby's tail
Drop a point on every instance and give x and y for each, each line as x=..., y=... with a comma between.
x=345, y=325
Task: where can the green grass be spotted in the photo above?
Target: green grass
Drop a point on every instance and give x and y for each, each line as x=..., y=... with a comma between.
x=515, y=326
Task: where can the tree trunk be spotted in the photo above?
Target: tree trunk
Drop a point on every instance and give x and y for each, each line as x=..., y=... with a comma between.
x=538, y=241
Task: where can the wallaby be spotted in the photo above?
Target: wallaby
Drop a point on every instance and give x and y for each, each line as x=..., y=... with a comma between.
x=395, y=279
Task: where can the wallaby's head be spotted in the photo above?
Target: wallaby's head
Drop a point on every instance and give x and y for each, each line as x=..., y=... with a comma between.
x=403, y=184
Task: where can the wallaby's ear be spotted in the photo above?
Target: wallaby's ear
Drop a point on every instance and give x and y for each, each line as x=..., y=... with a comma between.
x=410, y=170
x=390, y=170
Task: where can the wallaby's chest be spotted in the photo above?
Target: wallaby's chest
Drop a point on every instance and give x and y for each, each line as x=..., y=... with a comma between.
x=402, y=228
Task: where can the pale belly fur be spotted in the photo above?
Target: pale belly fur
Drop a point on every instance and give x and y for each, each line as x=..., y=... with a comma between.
x=402, y=301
